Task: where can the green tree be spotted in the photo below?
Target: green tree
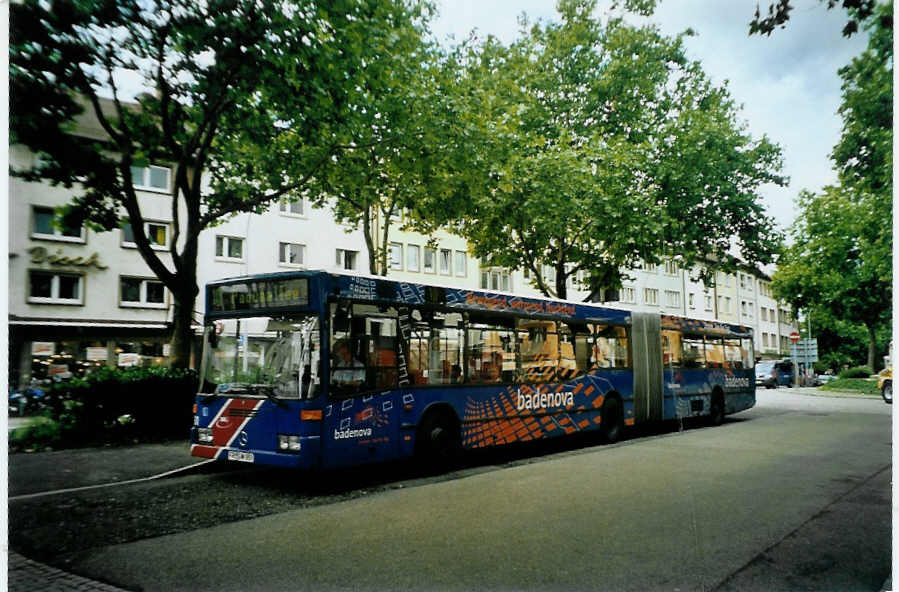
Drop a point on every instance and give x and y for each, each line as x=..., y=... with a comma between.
x=601, y=145
x=830, y=269
x=245, y=99
x=858, y=11
x=840, y=260
x=399, y=146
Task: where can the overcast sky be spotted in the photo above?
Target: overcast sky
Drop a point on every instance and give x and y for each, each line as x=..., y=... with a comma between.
x=787, y=83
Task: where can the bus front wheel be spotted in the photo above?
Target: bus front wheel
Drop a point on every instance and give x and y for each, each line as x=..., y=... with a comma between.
x=612, y=422
x=438, y=441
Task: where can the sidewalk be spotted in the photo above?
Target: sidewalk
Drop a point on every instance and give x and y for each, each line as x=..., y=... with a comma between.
x=26, y=575
x=46, y=472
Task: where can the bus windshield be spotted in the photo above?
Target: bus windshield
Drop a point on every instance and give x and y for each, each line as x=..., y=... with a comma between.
x=274, y=357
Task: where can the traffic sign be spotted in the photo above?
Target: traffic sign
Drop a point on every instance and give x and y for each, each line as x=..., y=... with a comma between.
x=794, y=336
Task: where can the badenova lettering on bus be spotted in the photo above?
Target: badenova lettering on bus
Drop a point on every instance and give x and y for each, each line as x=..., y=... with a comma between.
x=544, y=400
x=344, y=434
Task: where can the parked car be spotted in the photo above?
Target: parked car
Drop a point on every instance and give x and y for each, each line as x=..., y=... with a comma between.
x=885, y=384
x=772, y=374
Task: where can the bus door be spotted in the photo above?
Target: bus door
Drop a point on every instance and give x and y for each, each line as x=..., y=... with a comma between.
x=647, y=351
x=672, y=362
x=363, y=411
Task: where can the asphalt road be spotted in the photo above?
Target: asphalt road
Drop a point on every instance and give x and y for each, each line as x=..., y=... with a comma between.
x=791, y=495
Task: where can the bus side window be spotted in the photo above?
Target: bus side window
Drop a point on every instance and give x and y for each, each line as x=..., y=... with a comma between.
x=733, y=354
x=583, y=348
x=419, y=353
x=538, y=350
x=672, y=349
x=611, y=349
x=490, y=355
x=694, y=351
x=714, y=352
x=445, y=348
x=568, y=363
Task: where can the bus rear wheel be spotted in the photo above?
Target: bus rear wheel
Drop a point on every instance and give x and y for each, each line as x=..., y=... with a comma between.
x=612, y=423
x=438, y=442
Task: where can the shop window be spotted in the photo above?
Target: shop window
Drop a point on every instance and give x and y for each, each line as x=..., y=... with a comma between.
x=55, y=288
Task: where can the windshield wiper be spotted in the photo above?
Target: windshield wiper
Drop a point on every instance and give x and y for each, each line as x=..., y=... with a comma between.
x=269, y=392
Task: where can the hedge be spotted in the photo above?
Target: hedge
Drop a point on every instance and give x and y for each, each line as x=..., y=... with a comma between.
x=111, y=405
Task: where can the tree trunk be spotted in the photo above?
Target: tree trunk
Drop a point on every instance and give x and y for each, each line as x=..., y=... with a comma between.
x=561, y=281
x=182, y=332
x=369, y=242
x=872, y=346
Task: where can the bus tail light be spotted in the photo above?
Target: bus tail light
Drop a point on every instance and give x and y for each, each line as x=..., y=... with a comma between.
x=311, y=415
x=195, y=409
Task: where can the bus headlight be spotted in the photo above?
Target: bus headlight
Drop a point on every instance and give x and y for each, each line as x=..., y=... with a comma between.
x=204, y=435
x=288, y=443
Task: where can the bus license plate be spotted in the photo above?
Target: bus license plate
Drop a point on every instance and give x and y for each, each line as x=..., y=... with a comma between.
x=241, y=456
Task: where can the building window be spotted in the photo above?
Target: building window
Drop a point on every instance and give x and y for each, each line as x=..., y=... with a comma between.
x=42, y=227
x=229, y=247
x=55, y=288
x=651, y=296
x=155, y=178
x=708, y=302
x=628, y=295
x=291, y=254
x=461, y=264
x=157, y=233
x=446, y=261
x=141, y=292
x=346, y=259
x=293, y=208
x=429, y=261
x=671, y=267
x=691, y=300
x=413, y=257
x=396, y=255
x=672, y=298
x=496, y=279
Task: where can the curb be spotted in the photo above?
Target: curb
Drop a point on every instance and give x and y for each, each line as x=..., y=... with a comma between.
x=25, y=575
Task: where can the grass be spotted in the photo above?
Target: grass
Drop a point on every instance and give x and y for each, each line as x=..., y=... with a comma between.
x=855, y=386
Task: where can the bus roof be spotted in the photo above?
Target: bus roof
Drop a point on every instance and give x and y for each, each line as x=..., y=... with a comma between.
x=365, y=287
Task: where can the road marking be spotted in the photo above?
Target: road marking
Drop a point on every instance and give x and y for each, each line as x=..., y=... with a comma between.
x=101, y=485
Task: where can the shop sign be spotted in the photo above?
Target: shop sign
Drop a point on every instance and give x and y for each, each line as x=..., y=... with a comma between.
x=129, y=359
x=41, y=255
x=43, y=348
x=96, y=354
x=60, y=370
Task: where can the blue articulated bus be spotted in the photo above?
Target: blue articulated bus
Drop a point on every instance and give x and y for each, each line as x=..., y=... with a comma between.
x=317, y=370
